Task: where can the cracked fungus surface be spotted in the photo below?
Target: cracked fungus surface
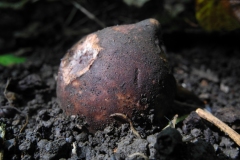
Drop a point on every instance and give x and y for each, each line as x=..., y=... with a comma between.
x=83, y=54
x=119, y=69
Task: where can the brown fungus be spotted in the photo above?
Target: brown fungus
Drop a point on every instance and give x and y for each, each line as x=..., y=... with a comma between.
x=119, y=69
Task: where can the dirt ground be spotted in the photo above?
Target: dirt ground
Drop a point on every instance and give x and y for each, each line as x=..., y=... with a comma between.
x=207, y=64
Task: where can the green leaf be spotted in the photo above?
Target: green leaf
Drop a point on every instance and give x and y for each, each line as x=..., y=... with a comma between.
x=175, y=121
x=180, y=119
x=10, y=59
x=216, y=15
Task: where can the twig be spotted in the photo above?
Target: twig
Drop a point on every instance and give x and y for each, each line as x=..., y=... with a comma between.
x=11, y=96
x=138, y=154
x=70, y=17
x=224, y=127
x=172, y=123
x=88, y=14
x=191, y=23
x=128, y=120
x=182, y=104
x=25, y=124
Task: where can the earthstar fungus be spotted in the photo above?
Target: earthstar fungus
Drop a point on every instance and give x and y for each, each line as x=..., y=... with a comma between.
x=119, y=69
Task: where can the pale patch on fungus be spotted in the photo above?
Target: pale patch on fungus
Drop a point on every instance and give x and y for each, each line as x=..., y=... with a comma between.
x=125, y=30
x=80, y=58
x=76, y=84
x=154, y=22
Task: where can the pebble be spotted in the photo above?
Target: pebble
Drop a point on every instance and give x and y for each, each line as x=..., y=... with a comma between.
x=26, y=145
x=195, y=132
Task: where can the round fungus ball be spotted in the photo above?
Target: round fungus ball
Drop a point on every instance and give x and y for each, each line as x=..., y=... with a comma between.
x=119, y=69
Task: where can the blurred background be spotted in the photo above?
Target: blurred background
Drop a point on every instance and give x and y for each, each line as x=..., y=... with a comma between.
x=39, y=26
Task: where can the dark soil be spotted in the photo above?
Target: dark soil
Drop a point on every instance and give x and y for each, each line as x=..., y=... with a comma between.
x=207, y=64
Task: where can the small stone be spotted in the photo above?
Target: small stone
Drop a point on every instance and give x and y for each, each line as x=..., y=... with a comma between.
x=26, y=145
x=109, y=129
x=196, y=132
x=69, y=139
x=82, y=137
x=42, y=143
x=15, y=122
x=226, y=142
